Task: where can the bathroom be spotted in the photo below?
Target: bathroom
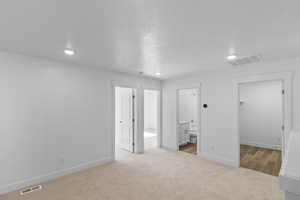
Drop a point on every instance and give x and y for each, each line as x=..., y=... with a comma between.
x=188, y=120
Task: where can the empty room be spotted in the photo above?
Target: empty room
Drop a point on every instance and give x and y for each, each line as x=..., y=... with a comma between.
x=140, y=100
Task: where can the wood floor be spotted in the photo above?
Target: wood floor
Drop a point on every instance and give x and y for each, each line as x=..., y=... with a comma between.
x=260, y=159
x=189, y=148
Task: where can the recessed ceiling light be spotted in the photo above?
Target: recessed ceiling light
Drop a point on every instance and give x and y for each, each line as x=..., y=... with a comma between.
x=231, y=57
x=69, y=52
x=158, y=73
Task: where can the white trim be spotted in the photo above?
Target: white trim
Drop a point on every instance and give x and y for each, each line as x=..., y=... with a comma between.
x=159, y=125
x=126, y=84
x=140, y=122
x=219, y=159
x=115, y=84
x=290, y=180
x=52, y=175
x=262, y=145
x=200, y=145
x=136, y=121
x=286, y=78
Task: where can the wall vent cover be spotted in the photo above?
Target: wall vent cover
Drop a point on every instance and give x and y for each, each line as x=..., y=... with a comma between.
x=30, y=189
x=246, y=60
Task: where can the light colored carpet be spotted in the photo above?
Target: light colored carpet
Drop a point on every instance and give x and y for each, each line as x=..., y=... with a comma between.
x=159, y=174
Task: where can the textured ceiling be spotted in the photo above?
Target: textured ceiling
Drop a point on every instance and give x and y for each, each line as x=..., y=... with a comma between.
x=172, y=37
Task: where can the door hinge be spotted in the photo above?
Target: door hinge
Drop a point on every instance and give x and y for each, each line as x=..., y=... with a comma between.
x=133, y=96
x=282, y=127
x=133, y=144
x=283, y=92
x=133, y=120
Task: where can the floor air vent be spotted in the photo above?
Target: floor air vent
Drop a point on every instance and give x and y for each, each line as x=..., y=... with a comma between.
x=246, y=60
x=31, y=189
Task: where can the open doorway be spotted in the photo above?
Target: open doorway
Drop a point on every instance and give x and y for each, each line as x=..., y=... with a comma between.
x=261, y=125
x=125, y=127
x=151, y=118
x=188, y=126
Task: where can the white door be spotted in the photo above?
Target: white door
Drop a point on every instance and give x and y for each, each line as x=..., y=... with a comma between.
x=126, y=119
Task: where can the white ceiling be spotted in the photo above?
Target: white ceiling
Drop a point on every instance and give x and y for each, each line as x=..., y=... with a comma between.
x=173, y=37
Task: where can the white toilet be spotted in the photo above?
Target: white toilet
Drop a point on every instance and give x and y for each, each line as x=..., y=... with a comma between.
x=192, y=135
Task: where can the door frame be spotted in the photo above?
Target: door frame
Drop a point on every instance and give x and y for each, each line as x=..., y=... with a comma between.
x=200, y=118
x=286, y=79
x=131, y=121
x=114, y=85
x=159, y=116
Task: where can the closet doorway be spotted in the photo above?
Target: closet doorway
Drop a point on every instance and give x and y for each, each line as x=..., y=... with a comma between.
x=261, y=125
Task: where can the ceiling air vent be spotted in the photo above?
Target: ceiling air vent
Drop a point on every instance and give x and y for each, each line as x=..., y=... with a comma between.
x=245, y=60
x=31, y=189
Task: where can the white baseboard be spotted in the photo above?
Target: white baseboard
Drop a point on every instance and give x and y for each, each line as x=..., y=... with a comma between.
x=262, y=145
x=52, y=175
x=219, y=159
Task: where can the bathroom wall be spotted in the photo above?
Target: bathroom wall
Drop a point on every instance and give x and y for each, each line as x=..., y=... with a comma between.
x=187, y=101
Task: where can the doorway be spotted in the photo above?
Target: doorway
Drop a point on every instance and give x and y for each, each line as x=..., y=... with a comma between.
x=151, y=119
x=188, y=120
x=125, y=127
x=261, y=125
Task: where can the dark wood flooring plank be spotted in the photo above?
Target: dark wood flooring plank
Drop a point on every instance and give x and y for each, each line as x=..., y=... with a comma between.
x=189, y=148
x=260, y=159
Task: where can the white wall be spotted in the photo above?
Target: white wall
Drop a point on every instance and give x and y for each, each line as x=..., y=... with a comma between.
x=54, y=118
x=261, y=114
x=219, y=138
x=150, y=110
